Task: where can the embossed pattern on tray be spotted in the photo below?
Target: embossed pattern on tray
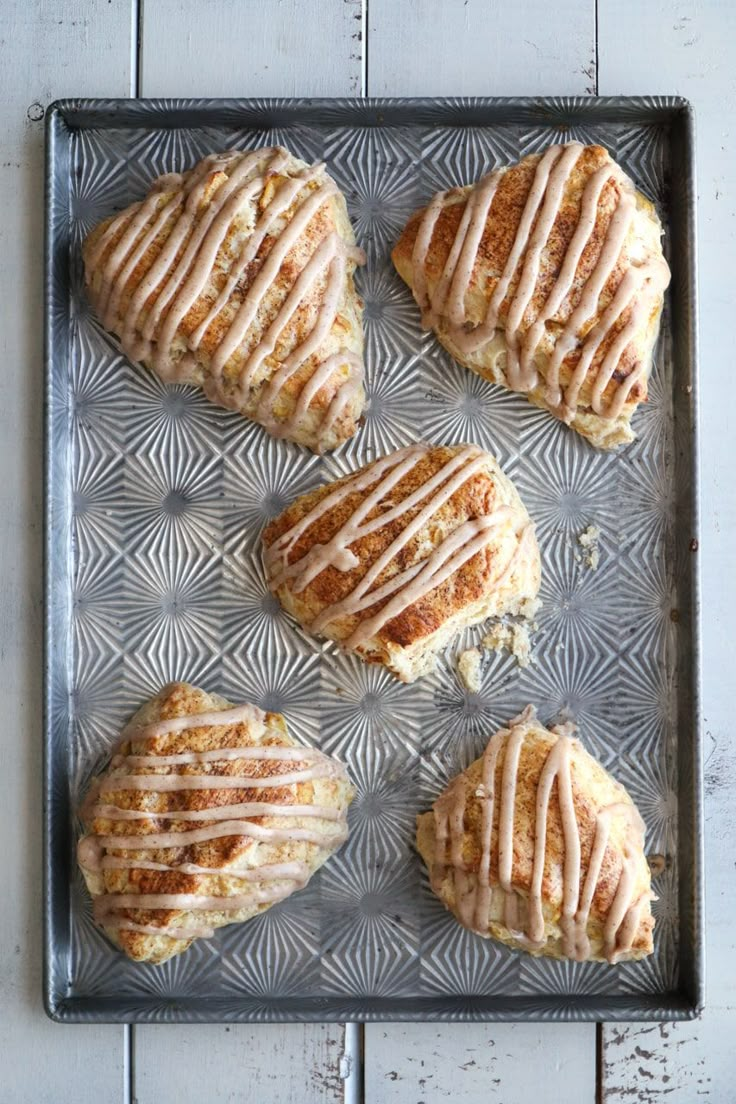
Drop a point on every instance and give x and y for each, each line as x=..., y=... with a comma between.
x=164, y=498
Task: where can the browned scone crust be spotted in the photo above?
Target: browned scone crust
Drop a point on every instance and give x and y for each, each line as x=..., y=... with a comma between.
x=593, y=790
x=226, y=855
x=641, y=246
x=188, y=357
x=481, y=587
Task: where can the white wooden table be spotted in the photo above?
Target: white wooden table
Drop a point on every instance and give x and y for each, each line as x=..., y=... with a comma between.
x=53, y=48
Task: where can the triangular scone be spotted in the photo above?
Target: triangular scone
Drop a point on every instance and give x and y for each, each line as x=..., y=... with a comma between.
x=207, y=815
x=537, y=846
x=397, y=558
x=546, y=277
x=238, y=277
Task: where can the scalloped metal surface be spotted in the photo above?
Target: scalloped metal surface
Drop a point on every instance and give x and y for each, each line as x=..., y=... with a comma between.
x=155, y=502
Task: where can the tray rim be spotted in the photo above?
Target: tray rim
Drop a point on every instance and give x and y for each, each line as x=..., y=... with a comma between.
x=686, y=1002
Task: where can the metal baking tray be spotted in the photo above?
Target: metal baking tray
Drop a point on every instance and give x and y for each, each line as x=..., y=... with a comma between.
x=154, y=504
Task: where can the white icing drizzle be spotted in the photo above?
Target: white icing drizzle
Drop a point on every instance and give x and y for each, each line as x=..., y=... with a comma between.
x=182, y=272
x=218, y=831
x=109, y=903
x=237, y=714
x=635, y=298
x=271, y=882
x=173, y=931
x=242, y=809
x=160, y=783
x=473, y=890
x=409, y=585
x=216, y=755
x=293, y=871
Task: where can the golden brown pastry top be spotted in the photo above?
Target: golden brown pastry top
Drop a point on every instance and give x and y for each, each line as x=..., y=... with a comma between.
x=207, y=814
x=537, y=846
x=386, y=558
x=237, y=276
x=561, y=254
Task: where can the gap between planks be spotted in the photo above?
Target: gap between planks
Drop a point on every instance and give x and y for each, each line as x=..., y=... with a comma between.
x=129, y=1064
x=136, y=49
x=149, y=23
x=136, y=67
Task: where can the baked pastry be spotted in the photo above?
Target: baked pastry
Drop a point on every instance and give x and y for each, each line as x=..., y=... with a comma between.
x=207, y=815
x=237, y=276
x=548, y=278
x=395, y=559
x=537, y=846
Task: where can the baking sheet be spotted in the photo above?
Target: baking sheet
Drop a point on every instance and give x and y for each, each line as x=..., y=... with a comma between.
x=154, y=504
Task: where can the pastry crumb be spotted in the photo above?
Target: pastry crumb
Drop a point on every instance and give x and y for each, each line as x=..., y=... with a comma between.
x=529, y=607
x=468, y=668
x=588, y=541
x=521, y=645
x=498, y=638
x=589, y=536
x=510, y=638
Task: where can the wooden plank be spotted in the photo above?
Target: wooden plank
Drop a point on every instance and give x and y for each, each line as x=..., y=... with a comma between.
x=249, y=48
x=478, y=1063
x=39, y=51
x=472, y=49
x=677, y=1062
x=306, y=48
x=481, y=48
x=286, y=1064
x=691, y=50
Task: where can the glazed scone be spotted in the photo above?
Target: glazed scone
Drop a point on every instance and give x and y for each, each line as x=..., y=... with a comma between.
x=207, y=815
x=237, y=277
x=395, y=559
x=546, y=277
x=537, y=846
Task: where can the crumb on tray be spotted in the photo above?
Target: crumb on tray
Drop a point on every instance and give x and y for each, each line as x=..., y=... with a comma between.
x=510, y=638
x=588, y=541
x=498, y=639
x=468, y=668
x=529, y=607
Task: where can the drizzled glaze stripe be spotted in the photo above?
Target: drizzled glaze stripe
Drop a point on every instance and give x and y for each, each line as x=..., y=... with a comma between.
x=636, y=297
x=303, y=754
x=271, y=882
x=405, y=587
x=184, y=269
x=242, y=809
x=159, y=783
x=294, y=871
x=192, y=902
x=233, y=716
x=156, y=840
x=473, y=890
